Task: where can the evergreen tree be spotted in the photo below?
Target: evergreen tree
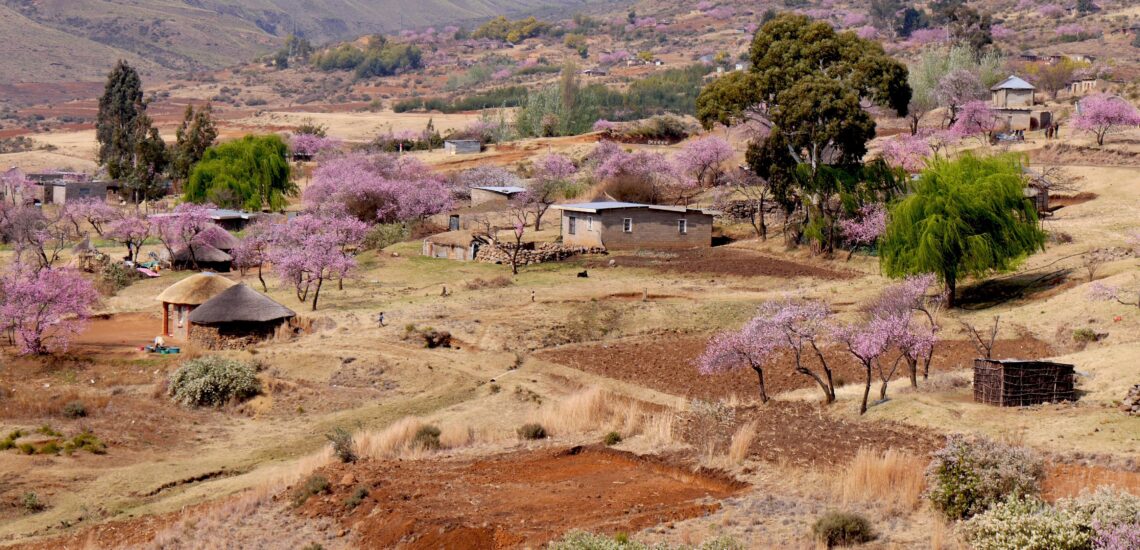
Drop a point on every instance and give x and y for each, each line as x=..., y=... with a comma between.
x=149, y=161
x=115, y=128
x=196, y=134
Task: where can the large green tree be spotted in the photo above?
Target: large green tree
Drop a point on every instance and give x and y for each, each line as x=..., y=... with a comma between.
x=144, y=180
x=196, y=134
x=251, y=173
x=806, y=88
x=967, y=217
x=116, y=125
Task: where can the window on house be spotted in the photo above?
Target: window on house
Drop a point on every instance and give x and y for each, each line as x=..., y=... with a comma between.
x=627, y=225
x=682, y=227
x=572, y=225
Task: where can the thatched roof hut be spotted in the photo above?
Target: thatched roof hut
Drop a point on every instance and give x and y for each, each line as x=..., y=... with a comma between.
x=240, y=304
x=180, y=298
x=195, y=289
x=206, y=256
x=218, y=238
x=237, y=317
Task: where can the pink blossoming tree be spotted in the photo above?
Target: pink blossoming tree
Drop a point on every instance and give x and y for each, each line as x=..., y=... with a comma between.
x=310, y=145
x=553, y=180
x=92, y=211
x=749, y=347
x=866, y=228
x=45, y=308
x=1100, y=114
x=179, y=229
x=703, y=159
x=253, y=249
x=380, y=188
x=310, y=249
x=132, y=232
x=977, y=119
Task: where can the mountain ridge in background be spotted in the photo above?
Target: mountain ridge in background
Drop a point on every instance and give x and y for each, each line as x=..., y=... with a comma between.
x=77, y=40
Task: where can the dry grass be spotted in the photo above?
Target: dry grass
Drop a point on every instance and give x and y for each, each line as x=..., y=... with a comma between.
x=742, y=442
x=479, y=283
x=34, y=405
x=599, y=410
x=398, y=440
x=893, y=480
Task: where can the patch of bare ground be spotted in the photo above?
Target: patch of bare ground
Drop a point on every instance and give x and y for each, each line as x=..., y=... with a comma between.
x=523, y=498
x=796, y=433
x=724, y=261
x=667, y=364
x=1070, y=154
x=1070, y=480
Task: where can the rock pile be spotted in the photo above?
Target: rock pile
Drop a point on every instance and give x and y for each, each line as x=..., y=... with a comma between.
x=532, y=254
x=1131, y=403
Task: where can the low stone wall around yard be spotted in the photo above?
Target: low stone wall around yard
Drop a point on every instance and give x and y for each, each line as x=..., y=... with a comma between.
x=530, y=254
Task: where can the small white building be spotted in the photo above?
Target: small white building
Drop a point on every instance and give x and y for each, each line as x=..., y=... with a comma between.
x=462, y=146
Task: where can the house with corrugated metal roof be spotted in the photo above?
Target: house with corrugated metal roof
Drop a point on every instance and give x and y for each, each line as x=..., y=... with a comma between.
x=489, y=193
x=618, y=225
x=1013, y=99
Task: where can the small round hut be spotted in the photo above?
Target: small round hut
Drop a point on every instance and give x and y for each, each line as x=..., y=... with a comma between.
x=205, y=256
x=218, y=238
x=181, y=298
x=237, y=316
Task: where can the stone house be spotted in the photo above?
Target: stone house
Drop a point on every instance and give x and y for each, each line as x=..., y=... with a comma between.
x=462, y=146
x=236, y=317
x=183, y=297
x=1013, y=100
x=625, y=225
x=485, y=194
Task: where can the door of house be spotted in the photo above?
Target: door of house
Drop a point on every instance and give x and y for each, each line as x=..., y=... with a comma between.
x=453, y=222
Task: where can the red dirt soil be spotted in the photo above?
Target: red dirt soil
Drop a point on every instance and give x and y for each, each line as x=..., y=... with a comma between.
x=667, y=364
x=524, y=498
x=799, y=434
x=1069, y=480
x=724, y=261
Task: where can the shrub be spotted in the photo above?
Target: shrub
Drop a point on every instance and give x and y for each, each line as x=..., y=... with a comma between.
x=1084, y=335
x=85, y=441
x=532, y=431
x=967, y=476
x=582, y=540
x=27, y=448
x=343, y=446
x=358, y=495
x=1025, y=524
x=316, y=484
x=842, y=529
x=213, y=381
x=46, y=429
x=32, y=503
x=1105, y=508
x=384, y=235
x=426, y=438
x=115, y=277
x=49, y=448
x=479, y=283
x=612, y=438
x=75, y=409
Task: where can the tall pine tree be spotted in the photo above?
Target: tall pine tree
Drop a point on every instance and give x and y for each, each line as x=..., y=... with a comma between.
x=119, y=110
x=196, y=134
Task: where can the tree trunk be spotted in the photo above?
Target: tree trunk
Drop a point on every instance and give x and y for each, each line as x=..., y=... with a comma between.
x=951, y=288
x=830, y=389
x=912, y=366
x=763, y=392
x=317, y=293
x=866, y=388
x=264, y=287
x=538, y=219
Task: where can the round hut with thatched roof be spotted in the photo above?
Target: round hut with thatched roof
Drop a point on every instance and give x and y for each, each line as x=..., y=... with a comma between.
x=237, y=316
x=181, y=298
x=205, y=256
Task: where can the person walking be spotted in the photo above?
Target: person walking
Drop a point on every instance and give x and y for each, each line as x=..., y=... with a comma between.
x=380, y=319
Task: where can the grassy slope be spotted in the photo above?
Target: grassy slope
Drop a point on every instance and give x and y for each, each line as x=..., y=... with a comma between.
x=180, y=36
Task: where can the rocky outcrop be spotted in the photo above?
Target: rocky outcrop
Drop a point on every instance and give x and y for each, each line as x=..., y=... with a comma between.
x=1131, y=403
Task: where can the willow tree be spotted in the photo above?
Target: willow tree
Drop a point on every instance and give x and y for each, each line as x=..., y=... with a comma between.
x=967, y=217
x=251, y=173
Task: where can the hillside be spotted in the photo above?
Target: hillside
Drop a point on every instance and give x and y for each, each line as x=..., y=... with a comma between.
x=80, y=39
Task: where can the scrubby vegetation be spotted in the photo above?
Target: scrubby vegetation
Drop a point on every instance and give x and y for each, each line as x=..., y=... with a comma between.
x=532, y=431
x=842, y=529
x=213, y=381
x=968, y=476
x=380, y=58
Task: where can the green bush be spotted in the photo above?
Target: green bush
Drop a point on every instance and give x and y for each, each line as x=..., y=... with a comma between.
x=75, y=409
x=426, y=438
x=343, y=446
x=1107, y=506
x=316, y=484
x=612, y=438
x=49, y=448
x=532, y=431
x=842, y=529
x=383, y=235
x=32, y=503
x=85, y=441
x=1026, y=524
x=213, y=381
x=967, y=476
x=1084, y=335
x=358, y=495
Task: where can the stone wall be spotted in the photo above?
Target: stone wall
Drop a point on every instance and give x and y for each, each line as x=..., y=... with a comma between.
x=1131, y=403
x=532, y=253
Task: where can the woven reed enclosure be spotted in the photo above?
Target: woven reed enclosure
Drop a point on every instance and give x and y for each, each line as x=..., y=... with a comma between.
x=1013, y=383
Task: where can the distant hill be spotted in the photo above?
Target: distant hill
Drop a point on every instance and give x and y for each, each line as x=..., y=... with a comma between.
x=68, y=40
